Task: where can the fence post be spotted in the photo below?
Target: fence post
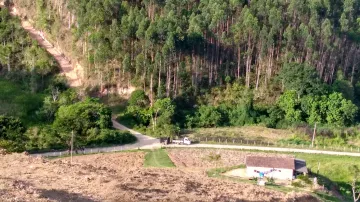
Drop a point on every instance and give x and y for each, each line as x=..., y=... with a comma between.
x=344, y=148
x=206, y=139
x=226, y=140
x=351, y=149
x=358, y=150
x=247, y=141
x=219, y=140
x=233, y=141
x=268, y=143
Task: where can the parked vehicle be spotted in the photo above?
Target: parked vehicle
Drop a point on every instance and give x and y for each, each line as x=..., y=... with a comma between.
x=167, y=140
x=185, y=140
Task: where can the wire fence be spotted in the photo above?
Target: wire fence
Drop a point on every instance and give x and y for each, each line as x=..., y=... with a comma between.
x=138, y=145
x=234, y=141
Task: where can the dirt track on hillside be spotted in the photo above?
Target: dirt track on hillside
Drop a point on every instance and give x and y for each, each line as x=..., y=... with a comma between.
x=72, y=71
x=118, y=177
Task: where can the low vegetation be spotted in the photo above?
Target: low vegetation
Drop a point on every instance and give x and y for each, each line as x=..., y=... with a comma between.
x=334, y=171
x=158, y=158
x=17, y=101
x=251, y=133
x=38, y=111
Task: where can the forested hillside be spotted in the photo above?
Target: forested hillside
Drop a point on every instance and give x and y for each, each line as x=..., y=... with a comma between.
x=173, y=47
x=37, y=110
x=221, y=63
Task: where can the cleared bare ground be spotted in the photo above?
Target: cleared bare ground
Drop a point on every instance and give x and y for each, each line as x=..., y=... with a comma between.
x=118, y=177
x=200, y=158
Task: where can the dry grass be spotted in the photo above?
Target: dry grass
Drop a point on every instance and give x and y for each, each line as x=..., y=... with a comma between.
x=246, y=133
x=119, y=177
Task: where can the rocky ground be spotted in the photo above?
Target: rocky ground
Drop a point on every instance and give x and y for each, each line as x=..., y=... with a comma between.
x=119, y=177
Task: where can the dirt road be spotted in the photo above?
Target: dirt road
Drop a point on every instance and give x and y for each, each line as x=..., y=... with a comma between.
x=143, y=142
x=73, y=72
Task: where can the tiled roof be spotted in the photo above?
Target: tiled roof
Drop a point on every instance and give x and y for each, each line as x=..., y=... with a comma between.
x=270, y=162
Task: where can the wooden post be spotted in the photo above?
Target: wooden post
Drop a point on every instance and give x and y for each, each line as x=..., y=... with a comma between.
x=313, y=138
x=318, y=168
x=72, y=147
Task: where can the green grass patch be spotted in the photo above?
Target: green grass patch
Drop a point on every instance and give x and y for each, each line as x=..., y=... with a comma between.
x=326, y=197
x=216, y=172
x=333, y=170
x=245, y=133
x=159, y=159
x=17, y=102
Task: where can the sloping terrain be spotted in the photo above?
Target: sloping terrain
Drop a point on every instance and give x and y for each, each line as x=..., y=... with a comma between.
x=118, y=177
x=73, y=72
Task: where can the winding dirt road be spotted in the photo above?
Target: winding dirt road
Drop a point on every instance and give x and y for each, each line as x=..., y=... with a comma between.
x=73, y=72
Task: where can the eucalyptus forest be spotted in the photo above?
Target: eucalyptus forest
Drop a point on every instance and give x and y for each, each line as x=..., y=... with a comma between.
x=207, y=63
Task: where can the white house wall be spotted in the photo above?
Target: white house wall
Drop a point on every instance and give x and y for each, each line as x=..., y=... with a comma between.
x=285, y=174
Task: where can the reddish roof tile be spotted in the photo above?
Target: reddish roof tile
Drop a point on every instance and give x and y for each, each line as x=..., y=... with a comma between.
x=270, y=162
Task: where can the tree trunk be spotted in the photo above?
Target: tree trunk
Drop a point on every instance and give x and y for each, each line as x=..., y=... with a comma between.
x=248, y=63
x=151, y=89
x=238, y=62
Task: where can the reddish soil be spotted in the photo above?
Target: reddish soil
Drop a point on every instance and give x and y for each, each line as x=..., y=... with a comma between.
x=118, y=177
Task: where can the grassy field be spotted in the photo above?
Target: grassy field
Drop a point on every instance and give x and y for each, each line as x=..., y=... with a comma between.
x=217, y=172
x=159, y=159
x=334, y=171
x=17, y=102
x=251, y=133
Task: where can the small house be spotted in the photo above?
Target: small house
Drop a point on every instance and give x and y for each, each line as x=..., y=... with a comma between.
x=283, y=168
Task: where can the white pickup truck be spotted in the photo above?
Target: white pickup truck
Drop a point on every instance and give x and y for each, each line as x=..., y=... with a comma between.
x=185, y=140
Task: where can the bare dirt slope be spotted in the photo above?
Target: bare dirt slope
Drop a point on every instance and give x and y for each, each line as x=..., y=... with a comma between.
x=72, y=71
x=118, y=177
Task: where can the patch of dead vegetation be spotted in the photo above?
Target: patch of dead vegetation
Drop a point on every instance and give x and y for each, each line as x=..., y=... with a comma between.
x=118, y=177
x=199, y=158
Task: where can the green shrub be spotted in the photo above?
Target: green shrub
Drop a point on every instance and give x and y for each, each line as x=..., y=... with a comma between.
x=12, y=136
x=297, y=184
x=304, y=178
x=270, y=180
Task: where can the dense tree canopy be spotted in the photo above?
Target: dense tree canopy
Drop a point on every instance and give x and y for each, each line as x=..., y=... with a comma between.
x=169, y=48
x=12, y=135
